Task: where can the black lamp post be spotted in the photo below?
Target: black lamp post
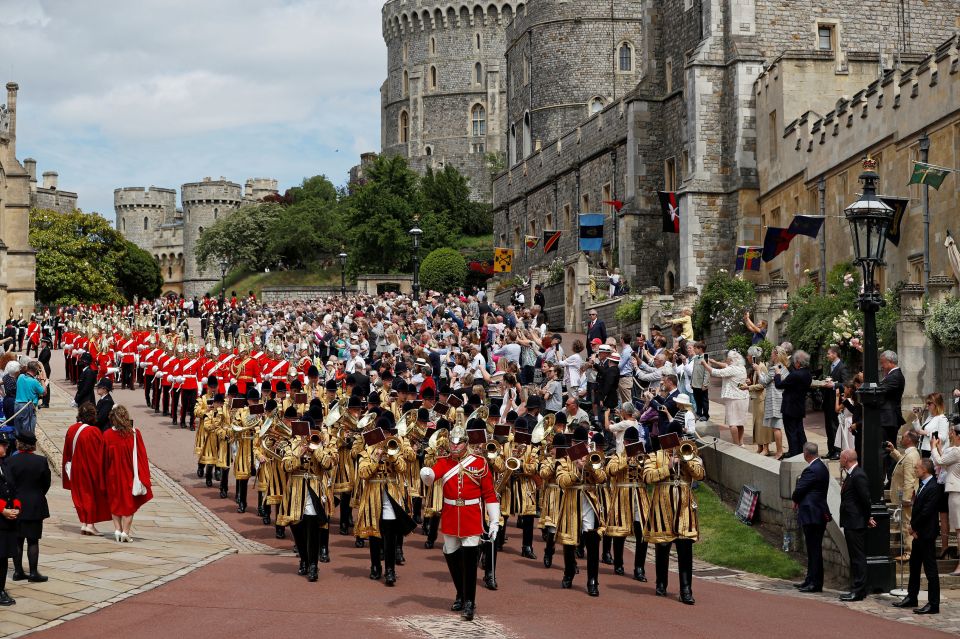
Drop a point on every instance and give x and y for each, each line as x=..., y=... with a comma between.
x=343, y=274
x=869, y=220
x=224, y=265
x=415, y=233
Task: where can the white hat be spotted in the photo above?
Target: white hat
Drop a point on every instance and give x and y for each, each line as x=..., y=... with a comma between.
x=354, y=347
x=605, y=348
x=421, y=362
x=682, y=399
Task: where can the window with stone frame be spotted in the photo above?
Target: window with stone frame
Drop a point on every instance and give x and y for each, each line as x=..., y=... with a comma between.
x=428, y=150
x=548, y=222
x=567, y=217
x=516, y=237
x=405, y=85
x=433, y=77
x=478, y=73
x=476, y=42
x=512, y=144
x=916, y=268
x=478, y=147
x=668, y=75
x=478, y=121
x=584, y=204
x=403, y=52
x=433, y=46
x=146, y=223
x=606, y=196
x=670, y=175
x=625, y=57
x=526, y=71
x=596, y=105
x=826, y=40
x=403, y=133
x=774, y=135
x=527, y=135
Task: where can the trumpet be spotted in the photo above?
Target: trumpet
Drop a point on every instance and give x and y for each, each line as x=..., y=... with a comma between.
x=596, y=460
x=494, y=449
x=513, y=464
x=317, y=440
x=688, y=451
x=392, y=446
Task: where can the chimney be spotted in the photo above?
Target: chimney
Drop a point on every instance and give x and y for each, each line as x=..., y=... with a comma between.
x=12, y=88
x=31, y=166
x=50, y=180
x=248, y=189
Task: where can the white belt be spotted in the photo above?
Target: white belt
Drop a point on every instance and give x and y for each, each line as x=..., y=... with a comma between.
x=461, y=502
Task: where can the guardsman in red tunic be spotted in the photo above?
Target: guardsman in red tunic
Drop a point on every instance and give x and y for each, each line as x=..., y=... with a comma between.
x=33, y=336
x=248, y=372
x=148, y=362
x=128, y=360
x=467, y=492
x=189, y=373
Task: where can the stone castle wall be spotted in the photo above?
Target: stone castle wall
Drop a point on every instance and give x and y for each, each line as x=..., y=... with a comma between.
x=204, y=203
x=432, y=84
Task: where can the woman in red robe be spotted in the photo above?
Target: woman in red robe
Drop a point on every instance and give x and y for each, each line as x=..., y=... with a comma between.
x=83, y=455
x=118, y=470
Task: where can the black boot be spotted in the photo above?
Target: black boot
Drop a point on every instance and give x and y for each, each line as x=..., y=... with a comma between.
x=501, y=535
x=209, y=474
x=592, y=544
x=358, y=542
x=618, y=544
x=216, y=473
x=593, y=588
x=5, y=599
x=455, y=566
x=527, y=551
x=224, y=481
x=489, y=565
x=259, y=504
x=662, y=554
x=400, y=558
x=376, y=567
x=324, y=545
x=266, y=513
x=569, y=566
x=640, y=555
x=685, y=570
x=200, y=471
x=469, y=581
x=312, y=572
x=280, y=534
x=242, y=495
x=390, y=577
x=549, y=548
x=607, y=557
x=302, y=570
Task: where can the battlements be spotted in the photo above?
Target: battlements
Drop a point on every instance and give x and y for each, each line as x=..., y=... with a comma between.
x=134, y=197
x=899, y=103
x=407, y=17
x=211, y=191
x=255, y=189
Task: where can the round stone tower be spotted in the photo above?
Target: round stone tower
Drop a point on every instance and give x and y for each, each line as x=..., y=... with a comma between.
x=140, y=212
x=565, y=61
x=203, y=204
x=443, y=101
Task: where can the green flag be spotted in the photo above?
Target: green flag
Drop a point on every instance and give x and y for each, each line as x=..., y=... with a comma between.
x=926, y=174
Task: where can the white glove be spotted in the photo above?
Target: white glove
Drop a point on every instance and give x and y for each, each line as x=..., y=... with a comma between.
x=169, y=379
x=267, y=377
x=493, y=517
x=427, y=476
x=141, y=347
x=143, y=365
x=155, y=369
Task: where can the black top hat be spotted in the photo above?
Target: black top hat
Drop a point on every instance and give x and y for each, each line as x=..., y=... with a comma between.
x=213, y=381
x=599, y=441
x=265, y=385
x=443, y=422
x=428, y=393
x=560, y=418
x=534, y=402
x=252, y=393
x=579, y=434
x=631, y=435
x=29, y=439
x=559, y=440
x=312, y=371
x=290, y=412
x=374, y=398
x=511, y=417
x=271, y=405
x=330, y=385
x=423, y=415
x=218, y=398
x=233, y=390
x=474, y=400
x=296, y=385
x=355, y=402
x=281, y=386
x=105, y=383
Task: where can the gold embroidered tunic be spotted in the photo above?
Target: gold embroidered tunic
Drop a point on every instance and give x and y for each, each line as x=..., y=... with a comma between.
x=311, y=473
x=627, y=497
x=549, y=493
x=673, y=507
x=576, y=485
x=373, y=478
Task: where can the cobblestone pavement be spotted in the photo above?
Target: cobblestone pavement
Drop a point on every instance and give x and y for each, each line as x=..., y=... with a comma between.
x=173, y=535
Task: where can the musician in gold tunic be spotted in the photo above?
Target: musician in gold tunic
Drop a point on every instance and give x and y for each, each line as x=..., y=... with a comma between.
x=673, y=513
x=582, y=512
x=308, y=502
x=200, y=409
x=211, y=423
x=550, y=497
x=245, y=427
x=627, y=502
x=271, y=476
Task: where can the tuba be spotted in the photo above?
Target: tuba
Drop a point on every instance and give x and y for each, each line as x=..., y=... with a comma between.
x=407, y=423
x=333, y=416
x=544, y=426
x=513, y=465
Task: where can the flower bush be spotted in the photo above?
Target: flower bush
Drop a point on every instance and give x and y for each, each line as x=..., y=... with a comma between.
x=722, y=304
x=555, y=272
x=818, y=321
x=629, y=310
x=943, y=324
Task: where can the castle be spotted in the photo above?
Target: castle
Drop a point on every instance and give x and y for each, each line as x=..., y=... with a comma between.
x=596, y=105
x=149, y=218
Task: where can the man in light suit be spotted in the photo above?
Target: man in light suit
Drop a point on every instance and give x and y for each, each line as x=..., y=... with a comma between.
x=837, y=373
x=924, y=528
x=855, y=519
x=903, y=481
x=810, y=502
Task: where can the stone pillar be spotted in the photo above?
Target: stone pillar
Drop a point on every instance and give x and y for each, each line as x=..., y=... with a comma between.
x=940, y=288
x=913, y=347
x=762, y=310
x=651, y=307
x=778, y=303
x=12, y=88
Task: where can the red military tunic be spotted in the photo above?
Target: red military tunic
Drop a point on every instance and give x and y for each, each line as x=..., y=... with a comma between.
x=464, y=494
x=190, y=370
x=249, y=375
x=278, y=372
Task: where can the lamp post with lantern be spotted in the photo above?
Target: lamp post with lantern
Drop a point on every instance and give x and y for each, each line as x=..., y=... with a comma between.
x=343, y=273
x=416, y=232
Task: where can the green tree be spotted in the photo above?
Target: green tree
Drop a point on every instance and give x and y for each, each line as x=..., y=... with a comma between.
x=81, y=259
x=317, y=187
x=138, y=273
x=305, y=232
x=241, y=238
x=443, y=270
x=447, y=193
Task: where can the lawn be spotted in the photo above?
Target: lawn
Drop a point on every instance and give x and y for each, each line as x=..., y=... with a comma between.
x=725, y=541
x=243, y=282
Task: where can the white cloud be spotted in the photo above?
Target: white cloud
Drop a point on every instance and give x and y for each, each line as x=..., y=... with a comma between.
x=118, y=93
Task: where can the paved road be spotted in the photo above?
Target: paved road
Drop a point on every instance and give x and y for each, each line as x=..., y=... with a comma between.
x=250, y=594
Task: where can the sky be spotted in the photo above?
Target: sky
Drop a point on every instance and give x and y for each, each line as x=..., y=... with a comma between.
x=117, y=93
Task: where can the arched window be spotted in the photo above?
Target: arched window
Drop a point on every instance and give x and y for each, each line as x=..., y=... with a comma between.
x=123, y=225
x=478, y=118
x=215, y=213
x=596, y=105
x=527, y=138
x=405, y=88
x=433, y=46
x=433, y=77
x=169, y=272
x=428, y=150
x=478, y=73
x=146, y=223
x=477, y=42
x=625, y=57
x=200, y=231
x=404, y=133
x=512, y=144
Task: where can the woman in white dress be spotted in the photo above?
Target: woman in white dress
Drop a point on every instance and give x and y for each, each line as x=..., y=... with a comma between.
x=733, y=393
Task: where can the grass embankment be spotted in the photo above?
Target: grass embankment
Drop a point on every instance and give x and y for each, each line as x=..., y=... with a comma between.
x=242, y=282
x=725, y=541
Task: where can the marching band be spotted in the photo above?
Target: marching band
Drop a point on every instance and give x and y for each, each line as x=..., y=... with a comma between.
x=381, y=454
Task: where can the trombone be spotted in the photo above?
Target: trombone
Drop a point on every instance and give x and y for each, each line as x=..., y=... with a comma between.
x=688, y=451
x=392, y=445
x=494, y=449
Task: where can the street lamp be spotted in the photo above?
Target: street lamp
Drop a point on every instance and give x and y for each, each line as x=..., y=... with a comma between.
x=415, y=233
x=224, y=265
x=870, y=220
x=343, y=274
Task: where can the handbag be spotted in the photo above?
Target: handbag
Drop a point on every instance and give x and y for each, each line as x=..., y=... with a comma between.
x=138, y=488
x=73, y=449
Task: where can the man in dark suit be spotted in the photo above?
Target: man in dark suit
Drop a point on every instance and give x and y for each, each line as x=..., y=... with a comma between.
x=810, y=502
x=794, y=382
x=44, y=358
x=924, y=528
x=595, y=329
x=837, y=374
x=86, y=381
x=30, y=473
x=855, y=519
x=104, y=403
x=891, y=412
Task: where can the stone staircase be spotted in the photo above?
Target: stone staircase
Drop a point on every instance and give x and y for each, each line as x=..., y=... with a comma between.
x=944, y=566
